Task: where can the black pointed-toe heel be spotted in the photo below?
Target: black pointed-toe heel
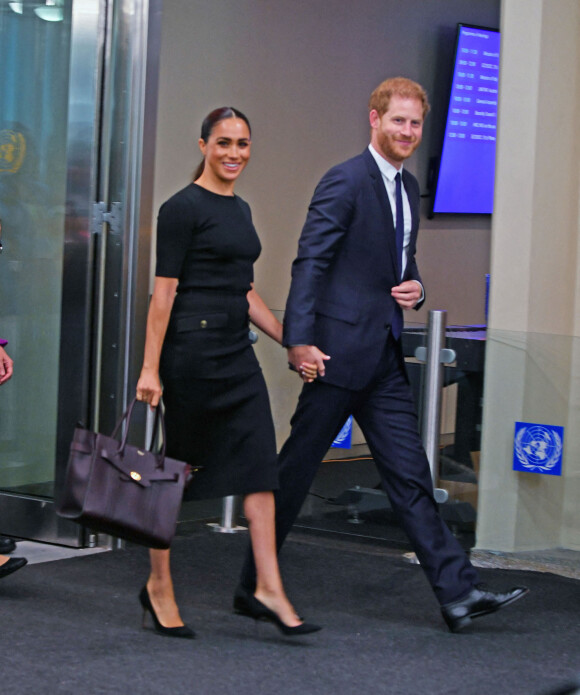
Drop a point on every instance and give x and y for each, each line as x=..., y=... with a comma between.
x=241, y=597
x=180, y=631
x=247, y=604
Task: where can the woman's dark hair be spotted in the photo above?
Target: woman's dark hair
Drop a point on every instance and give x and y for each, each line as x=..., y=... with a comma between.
x=210, y=122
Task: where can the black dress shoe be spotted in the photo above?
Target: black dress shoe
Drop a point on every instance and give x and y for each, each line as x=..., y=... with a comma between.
x=479, y=601
x=7, y=545
x=13, y=564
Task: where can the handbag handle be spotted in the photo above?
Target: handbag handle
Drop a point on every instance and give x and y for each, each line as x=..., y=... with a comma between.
x=159, y=417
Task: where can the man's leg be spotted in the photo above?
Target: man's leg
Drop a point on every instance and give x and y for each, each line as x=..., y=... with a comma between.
x=386, y=414
x=321, y=412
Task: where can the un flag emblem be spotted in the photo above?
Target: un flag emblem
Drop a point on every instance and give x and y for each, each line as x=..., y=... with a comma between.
x=538, y=448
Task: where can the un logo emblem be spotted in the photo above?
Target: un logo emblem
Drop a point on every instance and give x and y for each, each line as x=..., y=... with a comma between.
x=12, y=151
x=344, y=437
x=538, y=448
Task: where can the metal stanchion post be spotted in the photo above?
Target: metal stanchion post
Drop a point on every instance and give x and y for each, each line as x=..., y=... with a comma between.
x=435, y=355
x=229, y=514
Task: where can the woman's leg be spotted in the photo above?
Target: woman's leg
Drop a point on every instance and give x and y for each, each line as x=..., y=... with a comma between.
x=259, y=509
x=160, y=589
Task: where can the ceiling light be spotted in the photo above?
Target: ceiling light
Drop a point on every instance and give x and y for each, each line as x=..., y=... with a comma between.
x=51, y=11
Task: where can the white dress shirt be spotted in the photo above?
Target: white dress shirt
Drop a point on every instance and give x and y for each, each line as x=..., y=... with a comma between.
x=389, y=172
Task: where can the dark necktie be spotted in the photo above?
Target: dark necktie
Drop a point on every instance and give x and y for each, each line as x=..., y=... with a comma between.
x=400, y=224
x=397, y=322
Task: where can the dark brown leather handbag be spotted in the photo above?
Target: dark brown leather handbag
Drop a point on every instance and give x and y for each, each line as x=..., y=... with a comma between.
x=115, y=488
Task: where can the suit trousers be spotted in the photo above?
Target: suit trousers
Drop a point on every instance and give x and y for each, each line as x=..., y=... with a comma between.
x=386, y=414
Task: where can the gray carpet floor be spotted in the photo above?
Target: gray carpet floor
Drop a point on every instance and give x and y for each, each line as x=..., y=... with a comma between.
x=74, y=626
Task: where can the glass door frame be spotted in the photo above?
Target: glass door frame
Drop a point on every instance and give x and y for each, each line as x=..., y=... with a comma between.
x=114, y=57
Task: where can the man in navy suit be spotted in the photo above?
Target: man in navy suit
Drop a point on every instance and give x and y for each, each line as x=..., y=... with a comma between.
x=354, y=275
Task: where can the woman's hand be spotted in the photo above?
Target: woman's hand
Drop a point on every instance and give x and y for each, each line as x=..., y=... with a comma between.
x=6, y=366
x=308, y=372
x=149, y=388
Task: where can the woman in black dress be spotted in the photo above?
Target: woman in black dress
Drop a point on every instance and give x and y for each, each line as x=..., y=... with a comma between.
x=197, y=344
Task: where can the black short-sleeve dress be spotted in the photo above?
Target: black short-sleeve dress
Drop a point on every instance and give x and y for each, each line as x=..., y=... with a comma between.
x=217, y=408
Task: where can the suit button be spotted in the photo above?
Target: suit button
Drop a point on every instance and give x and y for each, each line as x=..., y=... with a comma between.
x=203, y=323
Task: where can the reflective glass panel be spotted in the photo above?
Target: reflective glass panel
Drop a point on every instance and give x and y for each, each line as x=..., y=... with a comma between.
x=34, y=80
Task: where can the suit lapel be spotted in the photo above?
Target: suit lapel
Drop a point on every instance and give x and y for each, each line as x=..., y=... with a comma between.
x=387, y=222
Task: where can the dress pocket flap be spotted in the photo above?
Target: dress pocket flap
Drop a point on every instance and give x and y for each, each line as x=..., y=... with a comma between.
x=200, y=322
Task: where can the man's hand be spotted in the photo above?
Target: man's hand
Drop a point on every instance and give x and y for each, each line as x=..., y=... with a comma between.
x=307, y=354
x=407, y=294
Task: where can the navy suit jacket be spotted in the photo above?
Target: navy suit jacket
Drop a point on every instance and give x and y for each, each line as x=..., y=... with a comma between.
x=340, y=295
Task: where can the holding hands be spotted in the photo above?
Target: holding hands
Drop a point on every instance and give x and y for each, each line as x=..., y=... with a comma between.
x=308, y=361
x=308, y=372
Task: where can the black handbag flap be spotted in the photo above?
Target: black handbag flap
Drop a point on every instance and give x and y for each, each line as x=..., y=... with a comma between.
x=137, y=465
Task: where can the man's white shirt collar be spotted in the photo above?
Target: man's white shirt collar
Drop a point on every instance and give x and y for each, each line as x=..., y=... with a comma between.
x=387, y=169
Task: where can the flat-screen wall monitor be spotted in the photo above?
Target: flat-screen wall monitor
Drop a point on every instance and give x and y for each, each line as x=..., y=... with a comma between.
x=467, y=165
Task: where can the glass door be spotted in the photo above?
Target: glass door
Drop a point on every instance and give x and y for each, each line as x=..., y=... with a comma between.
x=72, y=293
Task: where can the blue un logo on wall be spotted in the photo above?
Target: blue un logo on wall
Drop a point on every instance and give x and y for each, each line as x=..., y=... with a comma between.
x=344, y=437
x=538, y=448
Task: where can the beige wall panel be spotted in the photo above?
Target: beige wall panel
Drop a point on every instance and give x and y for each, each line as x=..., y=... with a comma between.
x=532, y=366
x=514, y=190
